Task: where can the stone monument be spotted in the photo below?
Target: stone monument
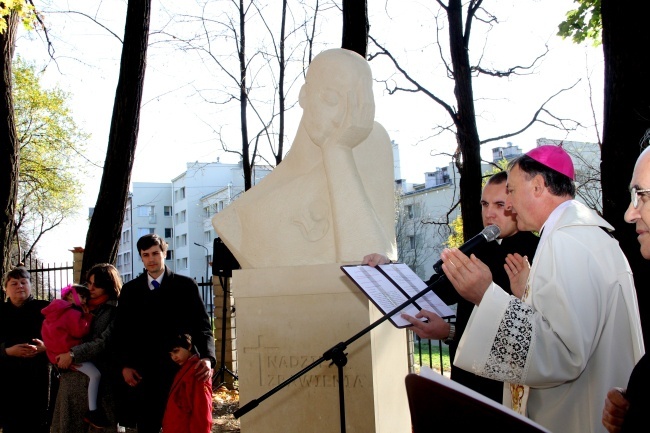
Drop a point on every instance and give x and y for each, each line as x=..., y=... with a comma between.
x=330, y=202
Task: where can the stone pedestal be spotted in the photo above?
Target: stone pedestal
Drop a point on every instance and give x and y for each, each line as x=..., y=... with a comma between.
x=288, y=317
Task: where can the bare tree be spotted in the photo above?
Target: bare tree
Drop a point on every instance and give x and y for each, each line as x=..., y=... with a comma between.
x=461, y=112
x=355, y=26
x=258, y=79
x=106, y=223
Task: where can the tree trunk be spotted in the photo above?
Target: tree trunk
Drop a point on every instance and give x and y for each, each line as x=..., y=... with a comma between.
x=243, y=99
x=466, y=131
x=626, y=118
x=106, y=223
x=281, y=95
x=9, y=146
x=355, y=26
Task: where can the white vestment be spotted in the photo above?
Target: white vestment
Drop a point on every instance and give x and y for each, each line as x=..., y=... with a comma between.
x=576, y=335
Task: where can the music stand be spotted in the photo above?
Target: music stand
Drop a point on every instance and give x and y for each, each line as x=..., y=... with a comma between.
x=223, y=269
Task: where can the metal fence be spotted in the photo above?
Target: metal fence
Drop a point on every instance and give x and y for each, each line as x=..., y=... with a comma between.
x=432, y=353
x=206, y=290
x=48, y=279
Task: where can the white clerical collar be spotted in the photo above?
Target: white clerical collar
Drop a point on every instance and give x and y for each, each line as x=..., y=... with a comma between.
x=552, y=219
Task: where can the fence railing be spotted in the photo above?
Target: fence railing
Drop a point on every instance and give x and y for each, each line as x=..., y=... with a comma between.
x=432, y=353
x=48, y=279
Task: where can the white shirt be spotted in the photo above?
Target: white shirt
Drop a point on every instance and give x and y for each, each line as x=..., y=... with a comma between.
x=150, y=279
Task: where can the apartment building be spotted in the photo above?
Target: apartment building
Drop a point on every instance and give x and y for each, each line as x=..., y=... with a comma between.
x=148, y=210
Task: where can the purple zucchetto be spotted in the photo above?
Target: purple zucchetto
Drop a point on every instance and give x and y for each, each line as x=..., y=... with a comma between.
x=554, y=157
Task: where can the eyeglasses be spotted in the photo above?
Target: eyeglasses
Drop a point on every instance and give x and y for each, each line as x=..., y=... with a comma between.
x=634, y=195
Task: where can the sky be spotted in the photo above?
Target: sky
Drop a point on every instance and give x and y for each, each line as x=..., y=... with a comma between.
x=178, y=126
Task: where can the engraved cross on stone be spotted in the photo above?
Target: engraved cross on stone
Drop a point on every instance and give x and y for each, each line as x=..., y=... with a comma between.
x=261, y=351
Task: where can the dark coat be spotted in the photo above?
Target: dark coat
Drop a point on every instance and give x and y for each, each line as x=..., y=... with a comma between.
x=72, y=398
x=493, y=255
x=146, y=320
x=637, y=395
x=24, y=382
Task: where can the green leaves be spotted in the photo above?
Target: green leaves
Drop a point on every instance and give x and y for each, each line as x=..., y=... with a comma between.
x=583, y=23
x=51, y=145
x=24, y=10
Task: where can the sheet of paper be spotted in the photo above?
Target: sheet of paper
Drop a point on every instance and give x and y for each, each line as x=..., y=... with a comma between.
x=381, y=291
x=412, y=284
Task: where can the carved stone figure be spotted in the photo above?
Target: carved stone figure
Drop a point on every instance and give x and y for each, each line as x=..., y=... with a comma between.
x=331, y=200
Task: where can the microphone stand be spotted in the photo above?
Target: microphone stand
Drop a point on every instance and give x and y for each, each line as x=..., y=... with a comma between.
x=337, y=355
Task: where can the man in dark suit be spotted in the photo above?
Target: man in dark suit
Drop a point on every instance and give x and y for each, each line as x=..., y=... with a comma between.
x=519, y=245
x=153, y=307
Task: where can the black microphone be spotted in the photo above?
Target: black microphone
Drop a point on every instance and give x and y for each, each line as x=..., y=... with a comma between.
x=488, y=234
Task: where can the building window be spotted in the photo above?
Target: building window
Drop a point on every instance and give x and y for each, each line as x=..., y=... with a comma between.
x=208, y=236
x=127, y=212
x=127, y=258
x=169, y=232
x=145, y=211
x=170, y=255
x=220, y=205
x=181, y=263
x=145, y=231
x=126, y=236
x=179, y=194
x=167, y=211
x=180, y=217
x=181, y=240
x=408, y=210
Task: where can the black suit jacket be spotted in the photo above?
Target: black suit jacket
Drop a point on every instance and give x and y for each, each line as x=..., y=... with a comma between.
x=493, y=255
x=147, y=319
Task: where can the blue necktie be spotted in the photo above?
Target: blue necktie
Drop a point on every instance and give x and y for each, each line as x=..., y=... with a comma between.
x=155, y=284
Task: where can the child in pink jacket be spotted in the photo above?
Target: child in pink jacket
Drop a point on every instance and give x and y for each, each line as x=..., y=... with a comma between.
x=67, y=321
x=189, y=406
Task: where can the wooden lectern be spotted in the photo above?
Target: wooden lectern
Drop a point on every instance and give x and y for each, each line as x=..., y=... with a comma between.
x=439, y=404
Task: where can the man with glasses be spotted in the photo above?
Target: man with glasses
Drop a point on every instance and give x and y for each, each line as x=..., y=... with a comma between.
x=624, y=408
x=576, y=331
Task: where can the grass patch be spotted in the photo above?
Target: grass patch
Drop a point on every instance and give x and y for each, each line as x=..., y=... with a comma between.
x=428, y=353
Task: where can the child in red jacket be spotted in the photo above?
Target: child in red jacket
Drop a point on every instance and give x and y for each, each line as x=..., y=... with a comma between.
x=189, y=406
x=67, y=321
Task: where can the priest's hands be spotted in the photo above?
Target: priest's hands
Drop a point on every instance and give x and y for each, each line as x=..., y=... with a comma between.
x=517, y=268
x=469, y=276
x=375, y=259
